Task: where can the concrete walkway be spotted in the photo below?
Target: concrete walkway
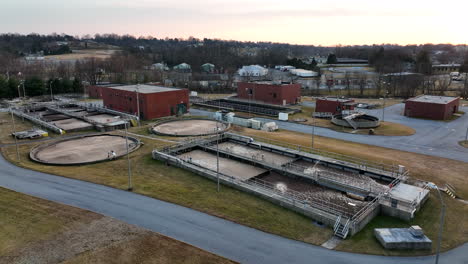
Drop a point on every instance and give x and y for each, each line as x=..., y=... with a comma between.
x=435, y=138
x=225, y=238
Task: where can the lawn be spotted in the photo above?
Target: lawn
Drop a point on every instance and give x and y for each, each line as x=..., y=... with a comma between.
x=36, y=230
x=385, y=128
x=464, y=143
x=154, y=179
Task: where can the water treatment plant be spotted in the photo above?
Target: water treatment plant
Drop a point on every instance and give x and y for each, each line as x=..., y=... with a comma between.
x=339, y=191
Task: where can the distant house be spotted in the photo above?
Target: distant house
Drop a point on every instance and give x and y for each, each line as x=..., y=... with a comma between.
x=183, y=67
x=445, y=68
x=253, y=70
x=159, y=67
x=208, y=68
x=303, y=73
x=284, y=67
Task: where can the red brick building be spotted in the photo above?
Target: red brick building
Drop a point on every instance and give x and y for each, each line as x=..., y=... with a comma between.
x=333, y=105
x=432, y=107
x=268, y=92
x=154, y=101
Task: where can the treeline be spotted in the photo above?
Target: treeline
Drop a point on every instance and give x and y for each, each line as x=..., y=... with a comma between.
x=36, y=86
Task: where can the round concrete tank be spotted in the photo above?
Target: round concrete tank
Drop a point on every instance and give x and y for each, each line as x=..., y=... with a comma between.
x=189, y=127
x=83, y=149
x=361, y=121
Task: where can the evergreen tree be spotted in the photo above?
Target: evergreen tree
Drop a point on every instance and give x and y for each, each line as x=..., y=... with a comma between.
x=331, y=59
x=34, y=86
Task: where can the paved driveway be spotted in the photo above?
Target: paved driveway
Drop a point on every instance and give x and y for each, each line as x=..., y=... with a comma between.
x=225, y=238
x=435, y=138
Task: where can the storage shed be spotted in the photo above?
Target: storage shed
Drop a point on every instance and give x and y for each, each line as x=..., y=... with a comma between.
x=432, y=107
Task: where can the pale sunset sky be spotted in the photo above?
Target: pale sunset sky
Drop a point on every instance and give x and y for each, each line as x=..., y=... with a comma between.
x=319, y=22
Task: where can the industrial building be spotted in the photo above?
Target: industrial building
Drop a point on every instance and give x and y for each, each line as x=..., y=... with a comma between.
x=153, y=101
x=269, y=92
x=333, y=105
x=432, y=107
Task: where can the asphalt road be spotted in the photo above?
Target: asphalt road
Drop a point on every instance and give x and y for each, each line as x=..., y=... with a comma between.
x=435, y=138
x=225, y=238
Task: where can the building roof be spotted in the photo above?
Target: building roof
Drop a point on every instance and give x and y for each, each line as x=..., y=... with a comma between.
x=342, y=100
x=144, y=88
x=433, y=99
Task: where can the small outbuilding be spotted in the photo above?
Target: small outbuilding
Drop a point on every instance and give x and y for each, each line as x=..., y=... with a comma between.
x=333, y=105
x=270, y=92
x=432, y=107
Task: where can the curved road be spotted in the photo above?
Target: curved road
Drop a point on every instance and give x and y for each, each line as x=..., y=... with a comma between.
x=222, y=237
x=435, y=138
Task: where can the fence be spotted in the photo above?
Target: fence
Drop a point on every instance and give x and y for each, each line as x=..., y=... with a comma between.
x=364, y=164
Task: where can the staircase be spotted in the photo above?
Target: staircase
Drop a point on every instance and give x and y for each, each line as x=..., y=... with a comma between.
x=341, y=230
x=350, y=120
x=450, y=190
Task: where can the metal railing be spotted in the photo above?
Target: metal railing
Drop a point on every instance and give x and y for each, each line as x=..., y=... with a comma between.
x=340, y=157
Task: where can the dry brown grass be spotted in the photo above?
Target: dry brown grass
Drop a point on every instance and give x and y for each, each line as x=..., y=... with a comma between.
x=464, y=143
x=36, y=230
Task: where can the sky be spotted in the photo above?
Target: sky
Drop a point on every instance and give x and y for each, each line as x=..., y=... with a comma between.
x=314, y=22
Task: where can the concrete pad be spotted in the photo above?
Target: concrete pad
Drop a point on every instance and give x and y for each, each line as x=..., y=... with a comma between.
x=332, y=242
x=401, y=238
x=408, y=192
x=256, y=154
x=228, y=167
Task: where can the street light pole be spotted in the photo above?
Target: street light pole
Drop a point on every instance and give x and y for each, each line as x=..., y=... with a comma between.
x=138, y=103
x=313, y=129
x=14, y=135
x=50, y=88
x=217, y=156
x=441, y=221
x=130, y=187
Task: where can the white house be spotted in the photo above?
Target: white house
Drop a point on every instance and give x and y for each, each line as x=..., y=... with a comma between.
x=253, y=70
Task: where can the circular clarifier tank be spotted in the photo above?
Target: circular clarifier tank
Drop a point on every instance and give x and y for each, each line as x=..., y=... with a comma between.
x=84, y=149
x=189, y=127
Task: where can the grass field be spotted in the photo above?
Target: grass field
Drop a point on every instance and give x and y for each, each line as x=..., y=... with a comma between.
x=40, y=231
x=153, y=178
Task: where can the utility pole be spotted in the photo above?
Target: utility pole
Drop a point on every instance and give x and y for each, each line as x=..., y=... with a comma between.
x=14, y=132
x=138, y=103
x=313, y=129
x=130, y=187
x=50, y=88
x=217, y=156
x=441, y=221
x=466, y=136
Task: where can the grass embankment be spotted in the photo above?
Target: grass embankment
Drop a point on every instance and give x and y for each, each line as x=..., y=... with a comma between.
x=40, y=231
x=385, y=128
